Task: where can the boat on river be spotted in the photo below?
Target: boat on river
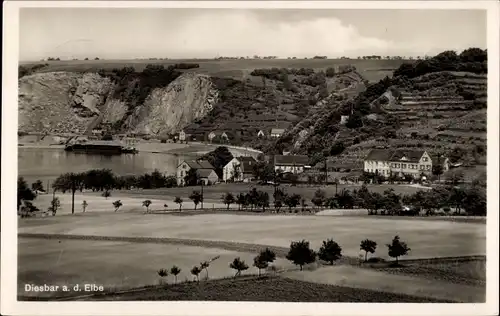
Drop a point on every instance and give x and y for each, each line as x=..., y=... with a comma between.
x=100, y=148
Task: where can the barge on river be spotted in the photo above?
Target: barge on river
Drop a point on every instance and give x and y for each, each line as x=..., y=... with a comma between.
x=100, y=147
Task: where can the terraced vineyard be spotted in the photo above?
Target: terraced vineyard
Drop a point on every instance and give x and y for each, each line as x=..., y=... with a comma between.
x=438, y=111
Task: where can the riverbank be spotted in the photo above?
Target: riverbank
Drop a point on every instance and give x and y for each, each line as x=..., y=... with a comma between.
x=145, y=146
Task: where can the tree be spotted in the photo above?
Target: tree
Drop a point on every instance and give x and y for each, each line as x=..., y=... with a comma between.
x=279, y=198
x=319, y=198
x=205, y=265
x=175, y=270
x=268, y=255
x=117, y=204
x=84, y=205
x=69, y=182
x=162, y=273
x=196, y=271
x=37, y=186
x=238, y=265
x=192, y=177
x=368, y=246
x=263, y=200
x=23, y=192
x=196, y=197
x=292, y=200
x=300, y=253
x=260, y=263
x=330, y=251
x=398, y=248
x=179, y=201
x=240, y=200
x=218, y=158
x=55, y=203
x=228, y=199
x=146, y=203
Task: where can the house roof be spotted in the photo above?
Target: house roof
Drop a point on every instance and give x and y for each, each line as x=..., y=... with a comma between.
x=379, y=155
x=204, y=173
x=407, y=155
x=291, y=160
x=277, y=131
x=199, y=164
x=396, y=155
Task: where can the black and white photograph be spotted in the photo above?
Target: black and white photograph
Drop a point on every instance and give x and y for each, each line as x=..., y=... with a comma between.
x=249, y=152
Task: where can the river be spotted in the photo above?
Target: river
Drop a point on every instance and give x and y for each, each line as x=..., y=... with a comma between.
x=47, y=164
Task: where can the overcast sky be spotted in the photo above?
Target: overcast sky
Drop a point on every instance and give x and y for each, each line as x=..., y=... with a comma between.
x=196, y=33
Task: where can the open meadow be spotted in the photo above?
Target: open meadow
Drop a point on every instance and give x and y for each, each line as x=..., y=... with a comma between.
x=125, y=250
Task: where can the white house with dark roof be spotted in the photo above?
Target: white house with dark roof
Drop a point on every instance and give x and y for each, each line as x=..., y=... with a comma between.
x=402, y=162
x=291, y=163
x=202, y=167
x=239, y=169
x=277, y=132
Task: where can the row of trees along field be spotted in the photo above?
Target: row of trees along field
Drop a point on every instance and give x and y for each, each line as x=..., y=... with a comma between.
x=299, y=254
x=469, y=198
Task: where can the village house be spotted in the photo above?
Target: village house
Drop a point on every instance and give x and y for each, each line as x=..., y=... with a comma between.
x=402, y=162
x=238, y=169
x=182, y=136
x=221, y=135
x=261, y=133
x=277, y=132
x=204, y=169
x=344, y=119
x=291, y=163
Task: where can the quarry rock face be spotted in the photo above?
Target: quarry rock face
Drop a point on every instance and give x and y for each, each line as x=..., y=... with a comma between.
x=90, y=94
x=62, y=102
x=45, y=103
x=169, y=109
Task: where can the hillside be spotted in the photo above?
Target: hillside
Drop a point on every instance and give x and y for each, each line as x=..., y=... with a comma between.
x=439, y=105
x=158, y=101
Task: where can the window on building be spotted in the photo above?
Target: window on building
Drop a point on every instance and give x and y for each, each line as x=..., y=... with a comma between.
x=403, y=166
x=428, y=167
x=425, y=159
x=422, y=167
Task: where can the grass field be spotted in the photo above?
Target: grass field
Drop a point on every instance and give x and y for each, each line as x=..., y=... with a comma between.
x=372, y=70
x=425, y=238
x=393, y=283
x=116, y=265
x=125, y=250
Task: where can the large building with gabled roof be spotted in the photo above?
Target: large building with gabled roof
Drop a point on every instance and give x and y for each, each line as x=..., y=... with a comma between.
x=402, y=162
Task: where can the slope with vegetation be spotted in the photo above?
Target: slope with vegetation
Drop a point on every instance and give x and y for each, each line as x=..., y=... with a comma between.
x=163, y=98
x=437, y=104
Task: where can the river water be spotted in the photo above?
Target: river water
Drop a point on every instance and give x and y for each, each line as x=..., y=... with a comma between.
x=48, y=164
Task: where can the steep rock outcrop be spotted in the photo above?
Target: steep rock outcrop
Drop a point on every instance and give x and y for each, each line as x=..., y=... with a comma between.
x=90, y=94
x=169, y=109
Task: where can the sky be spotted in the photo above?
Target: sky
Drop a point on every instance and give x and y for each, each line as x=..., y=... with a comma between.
x=127, y=33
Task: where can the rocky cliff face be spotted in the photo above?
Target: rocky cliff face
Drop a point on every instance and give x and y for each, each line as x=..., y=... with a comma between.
x=67, y=102
x=169, y=109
